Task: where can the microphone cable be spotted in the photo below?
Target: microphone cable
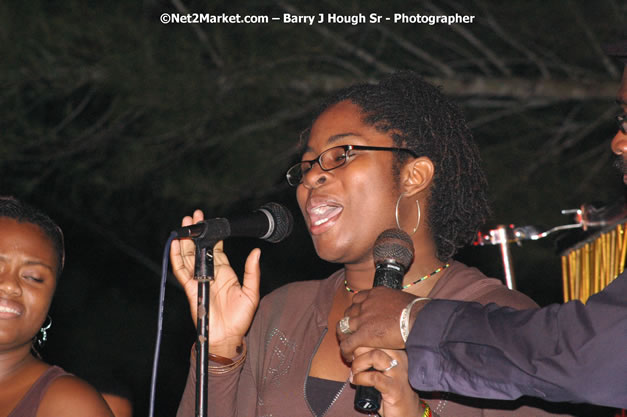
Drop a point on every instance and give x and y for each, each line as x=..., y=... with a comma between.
x=155, y=362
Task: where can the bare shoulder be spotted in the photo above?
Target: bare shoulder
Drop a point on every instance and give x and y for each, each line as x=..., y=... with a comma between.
x=71, y=396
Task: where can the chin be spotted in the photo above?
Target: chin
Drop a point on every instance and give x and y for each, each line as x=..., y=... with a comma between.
x=328, y=249
x=327, y=254
x=342, y=253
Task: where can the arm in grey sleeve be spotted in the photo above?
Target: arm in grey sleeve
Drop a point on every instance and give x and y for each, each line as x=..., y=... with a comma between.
x=564, y=352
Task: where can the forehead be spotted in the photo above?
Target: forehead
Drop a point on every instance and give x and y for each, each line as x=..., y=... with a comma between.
x=342, y=123
x=345, y=113
x=26, y=239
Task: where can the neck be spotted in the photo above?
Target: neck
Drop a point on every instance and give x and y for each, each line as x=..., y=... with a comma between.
x=361, y=276
x=426, y=280
x=14, y=361
x=425, y=263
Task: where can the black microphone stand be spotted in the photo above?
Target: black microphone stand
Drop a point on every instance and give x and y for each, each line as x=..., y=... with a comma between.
x=204, y=274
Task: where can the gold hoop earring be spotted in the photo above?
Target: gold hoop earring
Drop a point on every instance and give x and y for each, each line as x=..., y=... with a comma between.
x=417, y=217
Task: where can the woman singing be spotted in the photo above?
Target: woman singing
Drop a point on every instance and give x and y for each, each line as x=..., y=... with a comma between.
x=397, y=154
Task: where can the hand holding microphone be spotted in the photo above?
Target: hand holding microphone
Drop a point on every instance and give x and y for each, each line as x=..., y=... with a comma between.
x=393, y=254
x=272, y=222
x=232, y=305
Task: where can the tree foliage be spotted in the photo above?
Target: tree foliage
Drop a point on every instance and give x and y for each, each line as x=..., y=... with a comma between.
x=101, y=101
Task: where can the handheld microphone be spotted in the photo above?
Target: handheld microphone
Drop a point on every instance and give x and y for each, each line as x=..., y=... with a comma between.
x=393, y=253
x=272, y=222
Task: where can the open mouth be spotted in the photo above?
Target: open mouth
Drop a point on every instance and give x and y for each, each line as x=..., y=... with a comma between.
x=322, y=214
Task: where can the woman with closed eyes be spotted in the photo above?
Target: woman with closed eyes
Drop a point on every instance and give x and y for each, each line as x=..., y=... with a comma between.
x=31, y=260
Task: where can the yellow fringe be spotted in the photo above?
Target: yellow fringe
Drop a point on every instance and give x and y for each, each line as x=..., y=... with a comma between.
x=589, y=269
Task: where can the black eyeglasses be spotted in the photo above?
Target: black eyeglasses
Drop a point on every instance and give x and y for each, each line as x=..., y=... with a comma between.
x=621, y=119
x=333, y=158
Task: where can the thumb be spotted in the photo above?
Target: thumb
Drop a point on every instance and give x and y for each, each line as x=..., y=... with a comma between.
x=252, y=273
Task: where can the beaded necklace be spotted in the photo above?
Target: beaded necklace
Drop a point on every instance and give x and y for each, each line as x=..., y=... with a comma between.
x=349, y=289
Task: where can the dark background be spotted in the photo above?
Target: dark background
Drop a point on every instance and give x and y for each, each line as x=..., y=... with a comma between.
x=118, y=125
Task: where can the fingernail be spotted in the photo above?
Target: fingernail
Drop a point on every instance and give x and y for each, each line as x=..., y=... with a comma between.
x=350, y=376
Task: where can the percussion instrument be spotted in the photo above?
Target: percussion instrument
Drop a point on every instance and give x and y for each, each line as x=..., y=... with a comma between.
x=590, y=263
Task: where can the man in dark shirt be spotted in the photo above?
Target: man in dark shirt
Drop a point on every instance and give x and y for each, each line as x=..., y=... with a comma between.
x=571, y=352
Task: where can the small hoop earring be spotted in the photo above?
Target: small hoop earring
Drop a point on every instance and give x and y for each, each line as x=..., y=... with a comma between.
x=417, y=217
x=42, y=336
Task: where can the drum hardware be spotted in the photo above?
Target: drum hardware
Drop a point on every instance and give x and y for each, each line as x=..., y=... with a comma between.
x=587, y=217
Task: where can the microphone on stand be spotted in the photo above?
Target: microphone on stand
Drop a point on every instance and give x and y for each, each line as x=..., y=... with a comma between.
x=272, y=222
x=393, y=254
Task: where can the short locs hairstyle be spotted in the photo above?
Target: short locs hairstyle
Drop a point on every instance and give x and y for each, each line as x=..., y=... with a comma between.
x=417, y=115
x=21, y=212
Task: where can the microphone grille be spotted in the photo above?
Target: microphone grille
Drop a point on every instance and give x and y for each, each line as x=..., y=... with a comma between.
x=393, y=245
x=283, y=221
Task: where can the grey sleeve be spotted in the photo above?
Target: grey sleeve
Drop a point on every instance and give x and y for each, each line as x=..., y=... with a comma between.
x=564, y=352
